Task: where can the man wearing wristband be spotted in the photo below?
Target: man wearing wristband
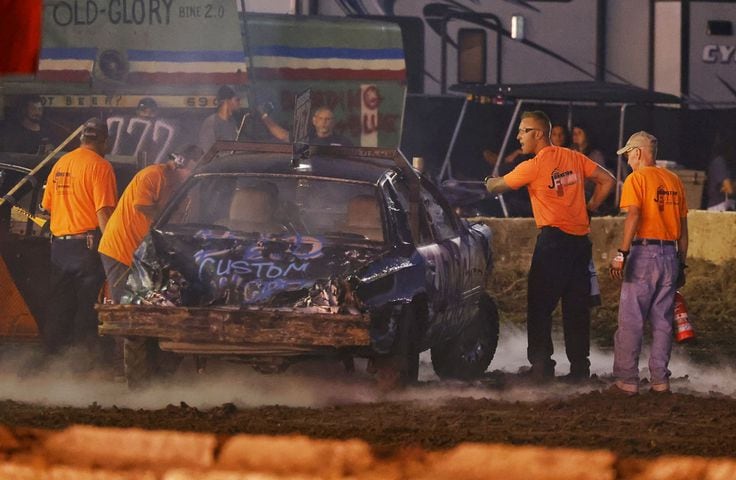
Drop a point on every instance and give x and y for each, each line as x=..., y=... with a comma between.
x=651, y=262
x=555, y=178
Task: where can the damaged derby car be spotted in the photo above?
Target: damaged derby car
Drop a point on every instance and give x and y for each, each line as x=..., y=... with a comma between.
x=267, y=258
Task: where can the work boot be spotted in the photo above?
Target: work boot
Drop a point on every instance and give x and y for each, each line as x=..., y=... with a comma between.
x=577, y=375
x=660, y=389
x=538, y=373
x=620, y=389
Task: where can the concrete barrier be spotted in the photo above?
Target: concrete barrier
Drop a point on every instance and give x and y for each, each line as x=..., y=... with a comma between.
x=475, y=461
x=327, y=458
x=82, y=452
x=130, y=448
x=712, y=238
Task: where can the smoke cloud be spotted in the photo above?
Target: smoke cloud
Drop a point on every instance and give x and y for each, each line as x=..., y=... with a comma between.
x=63, y=382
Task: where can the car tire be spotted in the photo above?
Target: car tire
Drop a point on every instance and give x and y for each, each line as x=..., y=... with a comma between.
x=468, y=355
x=144, y=361
x=137, y=360
x=400, y=367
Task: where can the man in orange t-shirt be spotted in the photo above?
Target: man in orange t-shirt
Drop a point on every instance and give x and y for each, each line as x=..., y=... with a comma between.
x=140, y=204
x=80, y=195
x=654, y=245
x=555, y=178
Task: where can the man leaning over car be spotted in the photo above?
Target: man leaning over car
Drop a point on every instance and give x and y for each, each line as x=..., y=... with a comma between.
x=139, y=205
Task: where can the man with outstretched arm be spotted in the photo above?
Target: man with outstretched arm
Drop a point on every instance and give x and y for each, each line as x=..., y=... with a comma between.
x=555, y=178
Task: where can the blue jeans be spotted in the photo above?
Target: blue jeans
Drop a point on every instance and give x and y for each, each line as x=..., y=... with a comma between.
x=647, y=293
x=117, y=276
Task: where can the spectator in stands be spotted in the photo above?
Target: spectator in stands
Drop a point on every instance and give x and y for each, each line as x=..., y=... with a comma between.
x=323, y=121
x=137, y=138
x=28, y=134
x=721, y=170
x=583, y=142
x=147, y=108
x=560, y=136
x=221, y=125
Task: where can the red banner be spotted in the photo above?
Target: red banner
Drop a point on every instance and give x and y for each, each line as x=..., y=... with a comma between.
x=20, y=36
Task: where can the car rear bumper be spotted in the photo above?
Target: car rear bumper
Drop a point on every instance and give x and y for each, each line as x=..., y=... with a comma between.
x=232, y=327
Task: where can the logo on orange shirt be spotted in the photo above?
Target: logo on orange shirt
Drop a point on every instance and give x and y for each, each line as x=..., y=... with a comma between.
x=666, y=197
x=62, y=183
x=560, y=179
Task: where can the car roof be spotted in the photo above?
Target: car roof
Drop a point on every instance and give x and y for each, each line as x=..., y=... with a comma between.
x=343, y=164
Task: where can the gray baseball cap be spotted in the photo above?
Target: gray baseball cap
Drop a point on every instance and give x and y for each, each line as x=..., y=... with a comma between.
x=640, y=139
x=95, y=128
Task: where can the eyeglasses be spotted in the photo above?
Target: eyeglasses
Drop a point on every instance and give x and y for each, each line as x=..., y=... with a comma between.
x=523, y=131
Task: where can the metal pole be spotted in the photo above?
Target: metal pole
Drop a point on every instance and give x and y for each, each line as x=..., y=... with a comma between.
x=246, y=37
x=502, y=153
x=569, y=123
x=619, y=162
x=443, y=57
x=446, y=164
x=511, y=127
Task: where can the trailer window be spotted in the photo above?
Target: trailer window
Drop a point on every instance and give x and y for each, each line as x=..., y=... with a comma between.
x=471, y=57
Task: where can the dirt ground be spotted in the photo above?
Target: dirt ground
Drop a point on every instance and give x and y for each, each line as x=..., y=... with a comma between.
x=643, y=426
x=692, y=421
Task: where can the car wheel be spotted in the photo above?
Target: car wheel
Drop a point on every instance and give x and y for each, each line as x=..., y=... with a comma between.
x=144, y=361
x=400, y=367
x=137, y=361
x=468, y=355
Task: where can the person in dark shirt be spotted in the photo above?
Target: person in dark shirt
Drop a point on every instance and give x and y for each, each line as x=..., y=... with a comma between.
x=137, y=138
x=721, y=170
x=28, y=135
x=323, y=121
x=221, y=125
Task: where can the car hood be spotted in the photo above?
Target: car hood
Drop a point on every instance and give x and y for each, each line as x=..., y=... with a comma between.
x=222, y=268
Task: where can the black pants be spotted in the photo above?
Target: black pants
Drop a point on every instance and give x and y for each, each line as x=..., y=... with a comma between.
x=559, y=271
x=76, y=279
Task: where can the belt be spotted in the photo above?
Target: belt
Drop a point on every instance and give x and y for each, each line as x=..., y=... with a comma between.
x=653, y=241
x=78, y=236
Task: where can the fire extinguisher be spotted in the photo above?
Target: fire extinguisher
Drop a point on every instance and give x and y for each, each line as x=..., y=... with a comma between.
x=683, y=328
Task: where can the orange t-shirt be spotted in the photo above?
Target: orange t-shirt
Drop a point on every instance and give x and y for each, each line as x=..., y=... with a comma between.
x=79, y=185
x=127, y=226
x=555, y=178
x=661, y=197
